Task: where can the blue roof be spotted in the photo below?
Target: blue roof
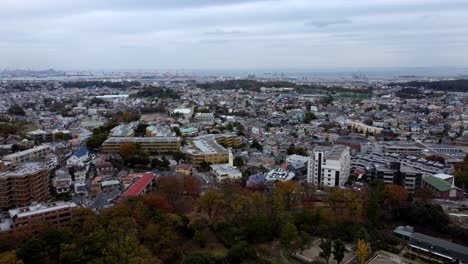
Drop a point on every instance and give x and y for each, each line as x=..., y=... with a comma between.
x=82, y=152
x=258, y=178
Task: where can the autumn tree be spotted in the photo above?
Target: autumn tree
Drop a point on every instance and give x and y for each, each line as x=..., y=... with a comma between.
x=128, y=150
x=210, y=202
x=191, y=185
x=362, y=250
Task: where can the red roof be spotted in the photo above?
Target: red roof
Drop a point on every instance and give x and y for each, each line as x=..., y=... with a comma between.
x=139, y=186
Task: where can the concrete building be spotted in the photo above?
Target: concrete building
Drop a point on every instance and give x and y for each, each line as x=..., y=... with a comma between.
x=204, y=117
x=225, y=171
x=159, y=131
x=210, y=148
x=280, y=174
x=56, y=213
x=62, y=181
x=329, y=166
x=396, y=173
x=36, y=153
x=148, y=144
x=124, y=130
x=23, y=185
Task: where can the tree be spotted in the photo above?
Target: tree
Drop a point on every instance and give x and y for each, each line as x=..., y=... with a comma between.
x=238, y=162
x=256, y=144
x=178, y=156
x=326, y=247
x=32, y=251
x=362, y=251
x=204, y=258
x=288, y=234
x=191, y=185
x=436, y=158
x=205, y=165
x=339, y=250
x=140, y=130
x=241, y=252
x=461, y=173
x=16, y=110
x=210, y=202
x=128, y=150
x=96, y=140
x=199, y=239
x=309, y=116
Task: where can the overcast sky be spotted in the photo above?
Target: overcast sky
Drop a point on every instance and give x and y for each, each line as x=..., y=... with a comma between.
x=232, y=34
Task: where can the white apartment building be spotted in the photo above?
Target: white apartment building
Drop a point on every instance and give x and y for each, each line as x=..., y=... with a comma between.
x=36, y=153
x=329, y=166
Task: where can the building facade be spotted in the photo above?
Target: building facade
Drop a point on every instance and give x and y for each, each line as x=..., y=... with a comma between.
x=147, y=144
x=26, y=184
x=329, y=166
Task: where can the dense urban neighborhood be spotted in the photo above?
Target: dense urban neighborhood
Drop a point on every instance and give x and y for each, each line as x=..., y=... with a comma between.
x=179, y=168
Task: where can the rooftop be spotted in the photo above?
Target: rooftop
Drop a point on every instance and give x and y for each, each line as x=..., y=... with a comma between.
x=140, y=185
x=142, y=139
x=40, y=208
x=439, y=184
x=24, y=169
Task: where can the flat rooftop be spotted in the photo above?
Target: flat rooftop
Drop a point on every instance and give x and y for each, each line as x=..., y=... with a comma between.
x=143, y=139
x=24, y=169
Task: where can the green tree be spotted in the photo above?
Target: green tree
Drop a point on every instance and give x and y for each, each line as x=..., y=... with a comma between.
x=309, y=116
x=339, y=250
x=256, y=144
x=241, y=252
x=16, y=110
x=288, y=234
x=32, y=251
x=238, y=162
x=199, y=239
x=326, y=249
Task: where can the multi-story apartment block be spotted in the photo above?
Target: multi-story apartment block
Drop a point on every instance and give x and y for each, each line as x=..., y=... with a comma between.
x=57, y=214
x=36, y=153
x=211, y=148
x=23, y=185
x=329, y=166
x=399, y=174
x=148, y=144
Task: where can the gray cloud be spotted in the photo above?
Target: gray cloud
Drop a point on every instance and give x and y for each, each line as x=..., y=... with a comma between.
x=232, y=33
x=327, y=22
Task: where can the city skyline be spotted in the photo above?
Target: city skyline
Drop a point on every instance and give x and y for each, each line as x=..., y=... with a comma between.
x=232, y=34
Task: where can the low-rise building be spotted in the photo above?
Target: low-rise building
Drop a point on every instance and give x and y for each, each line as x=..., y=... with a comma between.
x=441, y=188
x=78, y=158
x=204, y=117
x=62, y=181
x=225, y=171
x=33, y=154
x=141, y=186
